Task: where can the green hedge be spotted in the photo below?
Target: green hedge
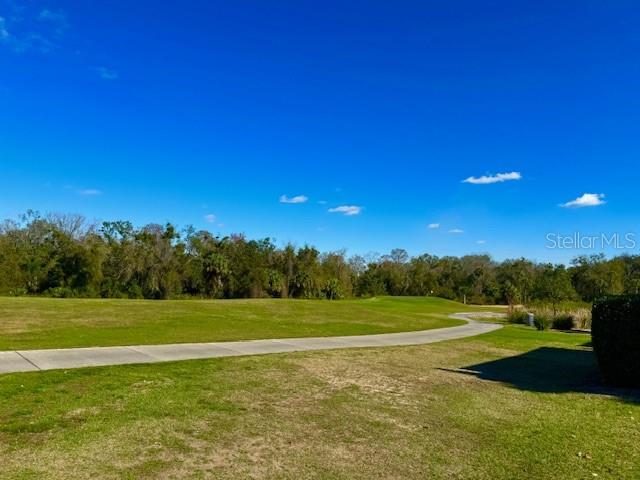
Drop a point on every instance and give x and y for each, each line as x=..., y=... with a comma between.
x=615, y=332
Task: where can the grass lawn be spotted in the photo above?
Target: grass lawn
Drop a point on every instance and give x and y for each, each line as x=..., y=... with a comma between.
x=28, y=323
x=515, y=403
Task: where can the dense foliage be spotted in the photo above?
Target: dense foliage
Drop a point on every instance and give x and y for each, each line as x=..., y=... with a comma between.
x=563, y=322
x=61, y=256
x=615, y=331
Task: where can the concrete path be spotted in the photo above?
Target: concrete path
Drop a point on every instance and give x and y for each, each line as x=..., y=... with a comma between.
x=33, y=360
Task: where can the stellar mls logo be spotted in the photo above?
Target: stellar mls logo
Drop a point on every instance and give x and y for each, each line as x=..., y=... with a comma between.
x=578, y=241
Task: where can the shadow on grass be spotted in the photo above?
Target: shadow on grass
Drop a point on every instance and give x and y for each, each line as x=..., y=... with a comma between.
x=551, y=370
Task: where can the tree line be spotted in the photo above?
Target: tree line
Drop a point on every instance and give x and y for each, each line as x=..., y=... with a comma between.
x=64, y=256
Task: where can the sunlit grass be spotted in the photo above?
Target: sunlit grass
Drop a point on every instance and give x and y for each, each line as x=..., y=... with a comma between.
x=515, y=403
x=28, y=323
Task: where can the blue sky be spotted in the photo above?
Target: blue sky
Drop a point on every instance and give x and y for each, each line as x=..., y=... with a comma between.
x=154, y=112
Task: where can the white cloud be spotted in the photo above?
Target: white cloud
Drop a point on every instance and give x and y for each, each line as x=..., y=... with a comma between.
x=481, y=242
x=456, y=230
x=322, y=202
x=433, y=225
x=498, y=178
x=210, y=218
x=107, y=73
x=296, y=199
x=347, y=210
x=90, y=192
x=586, y=200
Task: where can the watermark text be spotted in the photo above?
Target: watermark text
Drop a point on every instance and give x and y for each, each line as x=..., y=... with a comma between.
x=580, y=241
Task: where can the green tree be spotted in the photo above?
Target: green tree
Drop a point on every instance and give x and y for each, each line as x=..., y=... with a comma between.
x=553, y=284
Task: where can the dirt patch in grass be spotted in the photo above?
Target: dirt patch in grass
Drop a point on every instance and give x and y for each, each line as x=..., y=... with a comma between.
x=338, y=375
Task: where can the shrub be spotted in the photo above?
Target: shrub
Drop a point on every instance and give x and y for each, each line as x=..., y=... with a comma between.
x=563, y=321
x=542, y=321
x=518, y=316
x=18, y=292
x=615, y=332
x=60, y=292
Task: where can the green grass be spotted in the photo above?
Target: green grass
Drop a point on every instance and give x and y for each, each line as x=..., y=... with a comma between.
x=28, y=323
x=514, y=403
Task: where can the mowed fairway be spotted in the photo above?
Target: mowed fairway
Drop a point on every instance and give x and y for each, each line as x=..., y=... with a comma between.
x=33, y=323
x=515, y=403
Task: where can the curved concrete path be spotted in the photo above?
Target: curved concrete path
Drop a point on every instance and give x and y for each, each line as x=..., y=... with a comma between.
x=50, y=359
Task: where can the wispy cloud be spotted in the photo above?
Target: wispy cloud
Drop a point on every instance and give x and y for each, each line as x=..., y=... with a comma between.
x=49, y=15
x=481, y=242
x=27, y=30
x=456, y=230
x=89, y=192
x=107, y=73
x=296, y=199
x=498, y=178
x=210, y=218
x=433, y=226
x=4, y=33
x=57, y=20
x=348, y=210
x=586, y=200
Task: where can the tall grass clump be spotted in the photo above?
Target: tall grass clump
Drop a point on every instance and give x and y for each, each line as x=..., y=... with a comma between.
x=520, y=317
x=542, y=321
x=582, y=318
x=568, y=315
